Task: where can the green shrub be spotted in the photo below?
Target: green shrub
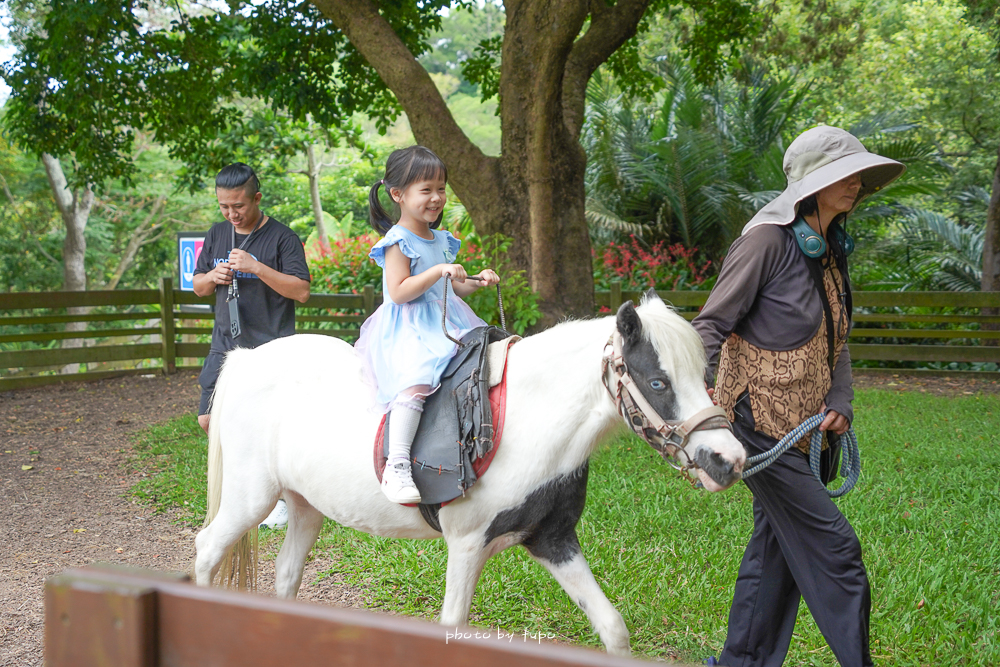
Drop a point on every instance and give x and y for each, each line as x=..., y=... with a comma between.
x=520, y=303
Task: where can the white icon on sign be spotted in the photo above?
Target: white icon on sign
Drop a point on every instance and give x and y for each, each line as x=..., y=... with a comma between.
x=188, y=264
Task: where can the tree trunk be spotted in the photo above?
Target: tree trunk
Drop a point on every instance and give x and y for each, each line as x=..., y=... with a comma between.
x=534, y=192
x=74, y=206
x=541, y=155
x=991, y=250
x=317, y=205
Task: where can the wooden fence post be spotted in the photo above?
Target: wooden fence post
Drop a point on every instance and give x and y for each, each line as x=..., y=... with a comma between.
x=368, y=294
x=85, y=625
x=616, y=296
x=168, y=343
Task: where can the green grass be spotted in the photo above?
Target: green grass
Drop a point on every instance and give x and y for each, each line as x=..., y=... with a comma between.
x=173, y=455
x=926, y=509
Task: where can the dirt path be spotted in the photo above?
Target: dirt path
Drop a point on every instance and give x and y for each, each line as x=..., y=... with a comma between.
x=937, y=385
x=63, y=479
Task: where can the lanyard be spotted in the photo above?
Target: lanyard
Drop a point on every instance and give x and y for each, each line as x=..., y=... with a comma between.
x=234, y=288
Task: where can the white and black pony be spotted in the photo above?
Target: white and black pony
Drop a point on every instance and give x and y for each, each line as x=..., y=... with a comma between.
x=291, y=418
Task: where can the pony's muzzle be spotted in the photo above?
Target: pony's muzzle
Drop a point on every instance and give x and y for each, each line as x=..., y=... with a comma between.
x=722, y=471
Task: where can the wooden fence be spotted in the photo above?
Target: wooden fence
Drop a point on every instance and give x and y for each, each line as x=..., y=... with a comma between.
x=892, y=326
x=107, y=616
x=131, y=330
x=148, y=331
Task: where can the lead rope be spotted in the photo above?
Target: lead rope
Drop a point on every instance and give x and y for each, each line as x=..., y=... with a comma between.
x=444, y=309
x=850, y=466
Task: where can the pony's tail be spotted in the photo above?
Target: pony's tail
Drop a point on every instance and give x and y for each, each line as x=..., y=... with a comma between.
x=238, y=568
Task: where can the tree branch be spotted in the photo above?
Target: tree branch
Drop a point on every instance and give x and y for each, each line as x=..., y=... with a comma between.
x=160, y=230
x=429, y=116
x=139, y=235
x=60, y=188
x=610, y=27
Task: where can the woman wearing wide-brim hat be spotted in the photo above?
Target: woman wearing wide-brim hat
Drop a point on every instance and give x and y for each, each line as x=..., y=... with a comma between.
x=776, y=326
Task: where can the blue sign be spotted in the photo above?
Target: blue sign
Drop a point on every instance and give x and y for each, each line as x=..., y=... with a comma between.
x=188, y=249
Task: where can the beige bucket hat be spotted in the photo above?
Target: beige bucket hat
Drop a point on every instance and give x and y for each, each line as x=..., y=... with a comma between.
x=818, y=158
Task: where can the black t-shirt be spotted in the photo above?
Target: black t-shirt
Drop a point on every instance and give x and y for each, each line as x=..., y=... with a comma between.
x=264, y=314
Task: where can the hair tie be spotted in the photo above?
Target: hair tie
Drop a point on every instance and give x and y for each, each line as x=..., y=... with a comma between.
x=381, y=181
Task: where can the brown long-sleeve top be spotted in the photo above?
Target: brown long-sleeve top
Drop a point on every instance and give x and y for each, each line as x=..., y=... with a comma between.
x=764, y=330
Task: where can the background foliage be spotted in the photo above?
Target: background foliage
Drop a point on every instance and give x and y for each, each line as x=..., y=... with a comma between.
x=683, y=146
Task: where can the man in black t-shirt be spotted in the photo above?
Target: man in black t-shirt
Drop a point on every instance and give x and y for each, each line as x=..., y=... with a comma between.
x=269, y=264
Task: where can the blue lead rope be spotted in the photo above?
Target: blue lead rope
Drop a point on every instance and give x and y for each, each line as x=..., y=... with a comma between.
x=850, y=461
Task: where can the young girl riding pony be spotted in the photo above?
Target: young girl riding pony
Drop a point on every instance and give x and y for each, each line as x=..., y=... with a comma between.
x=402, y=346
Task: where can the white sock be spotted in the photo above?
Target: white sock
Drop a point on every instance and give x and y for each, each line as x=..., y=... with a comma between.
x=405, y=417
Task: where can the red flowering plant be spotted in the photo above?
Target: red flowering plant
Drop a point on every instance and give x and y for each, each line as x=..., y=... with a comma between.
x=343, y=269
x=661, y=266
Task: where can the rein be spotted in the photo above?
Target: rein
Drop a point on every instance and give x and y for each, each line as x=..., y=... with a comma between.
x=444, y=309
x=668, y=437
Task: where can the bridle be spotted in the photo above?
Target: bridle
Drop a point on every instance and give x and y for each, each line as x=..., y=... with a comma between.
x=668, y=437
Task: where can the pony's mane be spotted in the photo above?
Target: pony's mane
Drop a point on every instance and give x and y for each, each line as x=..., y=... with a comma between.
x=676, y=342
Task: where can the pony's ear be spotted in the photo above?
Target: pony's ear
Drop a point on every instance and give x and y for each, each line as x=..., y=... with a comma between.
x=651, y=295
x=629, y=324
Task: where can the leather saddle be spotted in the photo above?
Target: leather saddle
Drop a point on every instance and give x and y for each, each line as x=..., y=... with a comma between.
x=456, y=430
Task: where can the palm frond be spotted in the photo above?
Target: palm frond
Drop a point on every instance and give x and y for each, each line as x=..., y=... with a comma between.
x=945, y=254
x=886, y=122
x=695, y=165
x=599, y=216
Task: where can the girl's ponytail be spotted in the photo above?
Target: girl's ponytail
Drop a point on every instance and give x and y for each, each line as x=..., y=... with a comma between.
x=377, y=216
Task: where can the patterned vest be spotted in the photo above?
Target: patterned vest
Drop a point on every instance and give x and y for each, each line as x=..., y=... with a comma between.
x=785, y=387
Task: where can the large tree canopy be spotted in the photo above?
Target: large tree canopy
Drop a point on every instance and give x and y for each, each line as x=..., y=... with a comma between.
x=95, y=72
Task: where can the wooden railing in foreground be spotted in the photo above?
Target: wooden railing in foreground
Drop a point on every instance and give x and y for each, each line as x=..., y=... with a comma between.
x=147, y=331
x=108, y=616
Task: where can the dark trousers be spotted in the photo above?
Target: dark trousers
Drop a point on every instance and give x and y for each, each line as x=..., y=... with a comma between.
x=207, y=379
x=802, y=546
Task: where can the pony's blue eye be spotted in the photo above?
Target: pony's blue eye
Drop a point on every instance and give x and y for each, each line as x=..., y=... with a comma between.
x=658, y=385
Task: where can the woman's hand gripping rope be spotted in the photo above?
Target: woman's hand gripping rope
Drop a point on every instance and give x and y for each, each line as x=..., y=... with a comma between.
x=834, y=421
x=850, y=467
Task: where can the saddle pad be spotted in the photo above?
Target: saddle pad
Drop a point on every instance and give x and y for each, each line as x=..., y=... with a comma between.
x=496, y=354
x=498, y=407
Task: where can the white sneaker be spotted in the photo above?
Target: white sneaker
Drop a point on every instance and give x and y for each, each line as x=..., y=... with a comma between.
x=278, y=518
x=397, y=484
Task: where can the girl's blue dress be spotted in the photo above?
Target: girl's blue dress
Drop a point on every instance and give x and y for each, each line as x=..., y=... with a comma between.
x=402, y=345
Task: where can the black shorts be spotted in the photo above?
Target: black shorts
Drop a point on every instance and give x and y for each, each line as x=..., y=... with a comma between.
x=209, y=374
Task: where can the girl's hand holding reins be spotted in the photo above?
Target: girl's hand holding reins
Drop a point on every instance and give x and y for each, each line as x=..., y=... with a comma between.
x=403, y=287
x=456, y=271
x=485, y=278
x=488, y=278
